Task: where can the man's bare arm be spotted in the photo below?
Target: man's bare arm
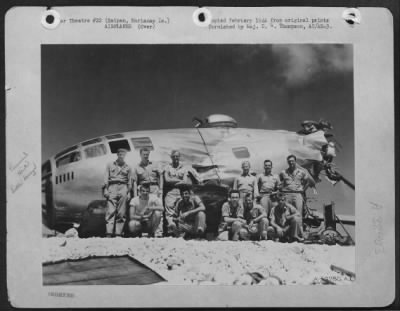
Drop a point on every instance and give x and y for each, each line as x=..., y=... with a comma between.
x=133, y=215
x=263, y=215
x=200, y=208
x=230, y=220
x=169, y=180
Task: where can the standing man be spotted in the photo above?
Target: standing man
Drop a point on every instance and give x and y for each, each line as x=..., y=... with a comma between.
x=233, y=222
x=245, y=183
x=295, y=182
x=145, y=212
x=175, y=174
x=190, y=213
x=116, y=189
x=256, y=219
x=147, y=172
x=266, y=184
x=285, y=221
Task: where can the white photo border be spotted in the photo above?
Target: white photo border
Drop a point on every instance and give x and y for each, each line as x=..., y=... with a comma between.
x=372, y=42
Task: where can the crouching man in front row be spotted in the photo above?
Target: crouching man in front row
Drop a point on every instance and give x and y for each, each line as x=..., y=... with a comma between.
x=285, y=222
x=256, y=218
x=233, y=222
x=190, y=215
x=145, y=212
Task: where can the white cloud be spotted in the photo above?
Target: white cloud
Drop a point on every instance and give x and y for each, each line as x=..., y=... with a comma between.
x=300, y=63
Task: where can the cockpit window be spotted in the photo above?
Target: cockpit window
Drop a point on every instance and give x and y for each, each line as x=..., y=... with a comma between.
x=91, y=141
x=142, y=142
x=114, y=136
x=241, y=152
x=95, y=151
x=69, y=158
x=66, y=151
x=116, y=144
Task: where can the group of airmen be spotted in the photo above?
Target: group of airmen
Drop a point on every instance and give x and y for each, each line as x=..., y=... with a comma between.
x=267, y=206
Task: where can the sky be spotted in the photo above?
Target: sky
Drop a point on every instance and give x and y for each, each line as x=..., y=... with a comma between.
x=93, y=90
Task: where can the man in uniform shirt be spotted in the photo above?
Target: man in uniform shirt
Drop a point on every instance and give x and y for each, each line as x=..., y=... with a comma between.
x=147, y=172
x=232, y=223
x=116, y=189
x=294, y=183
x=285, y=221
x=256, y=218
x=190, y=213
x=266, y=184
x=175, y=174
x=245, y=183
x=145, y=212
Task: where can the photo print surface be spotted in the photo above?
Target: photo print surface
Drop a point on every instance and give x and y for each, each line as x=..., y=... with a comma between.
x=198, y=164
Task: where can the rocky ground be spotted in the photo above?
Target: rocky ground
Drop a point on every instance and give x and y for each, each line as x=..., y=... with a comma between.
x=217, y=262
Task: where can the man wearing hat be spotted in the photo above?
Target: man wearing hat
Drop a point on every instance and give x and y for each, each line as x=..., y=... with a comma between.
x=116, y=189
x=309, y=127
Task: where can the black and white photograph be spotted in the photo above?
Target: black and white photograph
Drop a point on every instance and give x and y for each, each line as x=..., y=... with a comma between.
x=199, y=157
x=198, y=164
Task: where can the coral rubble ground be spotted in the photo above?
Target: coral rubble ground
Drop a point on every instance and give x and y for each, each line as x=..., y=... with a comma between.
x=216, y=262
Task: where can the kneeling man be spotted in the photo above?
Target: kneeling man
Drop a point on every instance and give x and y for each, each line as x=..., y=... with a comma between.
x=233, y=222
x=145, y=212
x=256, y=218
x=285, y=221
x=190, y=214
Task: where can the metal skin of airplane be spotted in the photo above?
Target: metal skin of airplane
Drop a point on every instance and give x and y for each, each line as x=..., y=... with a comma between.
x=73, y=178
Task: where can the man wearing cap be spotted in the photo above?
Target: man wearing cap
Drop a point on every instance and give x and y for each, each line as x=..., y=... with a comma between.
x=147, y=172
x=145, y=212
x=285, y=221
x=232, y=222
x=175, y=174
x=267, y=183
x=245, y=183
x=256, y=220
x=309, y=127
x=190, y=213
x=294, y=183
x=116, y=189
